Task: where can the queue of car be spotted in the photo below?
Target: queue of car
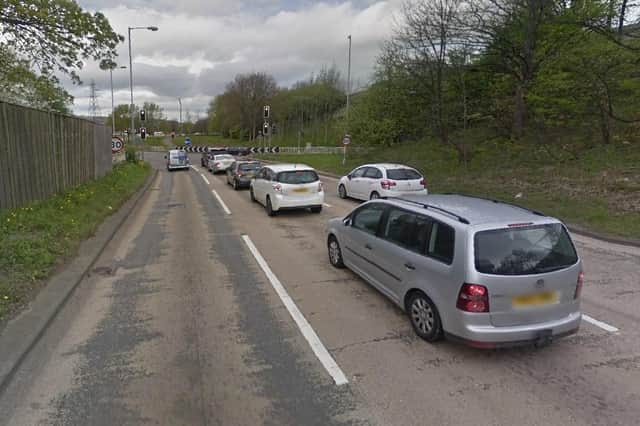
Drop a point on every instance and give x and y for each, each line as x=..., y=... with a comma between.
x=482, y=272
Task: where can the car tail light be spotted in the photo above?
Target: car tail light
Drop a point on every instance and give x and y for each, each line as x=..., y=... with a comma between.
x=387, y=184
x=320, y=188
x=277, y=187
x=423, y=182
x=579, y=285
x=216, y=164
x=473, y=298
x=240, y=174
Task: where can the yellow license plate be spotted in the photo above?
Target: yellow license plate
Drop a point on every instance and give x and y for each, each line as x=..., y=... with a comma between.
x=535, y=299
x=301, y=190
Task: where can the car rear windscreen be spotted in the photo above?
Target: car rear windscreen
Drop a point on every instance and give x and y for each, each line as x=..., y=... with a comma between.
x=223, y=157
x=524, y=250
x=403, y=174
x=298, y=177
x=246, y=167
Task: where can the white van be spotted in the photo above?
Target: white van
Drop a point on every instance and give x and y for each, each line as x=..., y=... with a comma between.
x=177, y=159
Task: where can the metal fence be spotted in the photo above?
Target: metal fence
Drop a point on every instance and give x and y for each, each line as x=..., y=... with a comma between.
x=42, y=153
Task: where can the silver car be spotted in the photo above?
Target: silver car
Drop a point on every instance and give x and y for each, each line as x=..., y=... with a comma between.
x=483, y=272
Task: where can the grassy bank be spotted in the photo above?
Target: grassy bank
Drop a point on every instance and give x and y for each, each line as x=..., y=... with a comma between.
x=599, y=189
x=35, y=239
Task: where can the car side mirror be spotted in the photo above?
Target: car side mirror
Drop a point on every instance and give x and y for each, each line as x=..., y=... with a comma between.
x=349, y=177
x=347, y=221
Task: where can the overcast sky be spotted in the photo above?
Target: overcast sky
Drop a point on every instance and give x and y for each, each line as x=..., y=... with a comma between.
x=202, y=44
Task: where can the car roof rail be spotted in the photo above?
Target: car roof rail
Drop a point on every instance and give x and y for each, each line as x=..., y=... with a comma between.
x=493, y=200
x=427, y=206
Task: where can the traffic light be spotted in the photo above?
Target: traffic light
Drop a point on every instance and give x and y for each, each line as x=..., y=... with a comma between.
x=143, y=133
x=142, y=115
x=267, y=110
x=265, y=128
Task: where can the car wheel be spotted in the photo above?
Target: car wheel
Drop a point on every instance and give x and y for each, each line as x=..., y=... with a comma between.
x=235, y=184
x=269, y=207
x=342, y=191
x=316, y=209
x=374, y=196
x=424, y=317
x=253, y=197
x=335, y=254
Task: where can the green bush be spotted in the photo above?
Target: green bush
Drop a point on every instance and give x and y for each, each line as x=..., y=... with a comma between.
x=130, y=154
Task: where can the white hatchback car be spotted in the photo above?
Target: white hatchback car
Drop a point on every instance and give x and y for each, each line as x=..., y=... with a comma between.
x=382, y=180
x=220, y=163
x=287, y=186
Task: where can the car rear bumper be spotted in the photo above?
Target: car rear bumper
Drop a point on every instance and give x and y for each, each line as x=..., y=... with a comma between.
x=390, y=193
x=488, y=336
x=176, y=167
x=283, y=202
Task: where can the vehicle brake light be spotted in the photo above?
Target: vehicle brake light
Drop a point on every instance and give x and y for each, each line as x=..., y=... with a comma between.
x=579, y=285
x=423, y=182
x=473, y=298
x=518, y=225
x=387, y=184
x=216, y=164
x=320, y=187
x=240, y=174
x=277, y=187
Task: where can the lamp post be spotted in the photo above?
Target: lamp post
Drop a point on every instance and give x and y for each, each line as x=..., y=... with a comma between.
x=180, y=117
x=349, y=82
x=113, y=108
x=131, y=112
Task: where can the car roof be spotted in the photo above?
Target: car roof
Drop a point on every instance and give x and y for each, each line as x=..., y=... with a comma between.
x=176, y=150
x=387, y=166
x=474, y=210
x=288, y=167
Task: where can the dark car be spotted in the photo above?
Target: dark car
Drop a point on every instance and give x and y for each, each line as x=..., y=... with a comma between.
x=240, y=173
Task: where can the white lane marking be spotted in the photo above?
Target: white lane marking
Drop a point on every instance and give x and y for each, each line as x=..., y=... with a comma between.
x=205, y=179
x=327, y=205
x=194, y=168
x=602, y=325
x=224, y=206
x=312, y=338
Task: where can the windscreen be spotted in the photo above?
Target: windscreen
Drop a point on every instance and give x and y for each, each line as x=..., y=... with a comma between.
x=249, y=167
x=403, y=174
x=298, y=177
x=523, y=251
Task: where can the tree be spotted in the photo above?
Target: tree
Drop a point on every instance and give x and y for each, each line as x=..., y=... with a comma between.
x=56, y=35
x=19, y=84
x=153, y=115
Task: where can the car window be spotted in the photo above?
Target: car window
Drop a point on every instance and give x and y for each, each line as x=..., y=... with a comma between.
x=441, y=242
x=367, y=218
x=403, y=174
x=297, y=177
x=246, y=167
x=524, y=250
x=359, y=173
x=373, y=173
x=407, y=229
x=262, y=174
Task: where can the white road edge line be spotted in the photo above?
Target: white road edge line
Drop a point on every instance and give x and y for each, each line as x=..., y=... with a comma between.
x=224, y=206
x=205, y=179
x=602, y=325
x=305, y=328
x=327, y=205
x=194, y=168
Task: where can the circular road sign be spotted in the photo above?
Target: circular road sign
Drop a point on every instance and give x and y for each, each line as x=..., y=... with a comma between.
x=346, y=140
x=117, y=144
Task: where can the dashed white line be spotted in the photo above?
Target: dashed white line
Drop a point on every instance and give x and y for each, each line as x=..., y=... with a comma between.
x=318, y=348
x=602, y=325
x=194, y=168
x=221, y=201
x=327, y=205
x=205, y=179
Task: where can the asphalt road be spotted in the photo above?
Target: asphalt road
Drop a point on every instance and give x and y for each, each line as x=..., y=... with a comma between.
x=180, y=325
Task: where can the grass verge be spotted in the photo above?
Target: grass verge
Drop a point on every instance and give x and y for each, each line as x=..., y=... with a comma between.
x=36, y=238
x=598, y=190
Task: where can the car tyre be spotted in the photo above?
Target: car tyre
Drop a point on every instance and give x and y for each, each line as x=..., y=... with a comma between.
x=424, y=317
x=342, y=192
x=269, y=208
x=335, y=253
x=374, y=196
x=316, y=209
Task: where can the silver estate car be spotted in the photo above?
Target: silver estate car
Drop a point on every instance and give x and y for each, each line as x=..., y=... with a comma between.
x=483, y=272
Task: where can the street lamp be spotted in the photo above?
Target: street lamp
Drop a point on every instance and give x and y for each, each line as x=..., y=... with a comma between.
x=131, y=112
x=113, y=108
x=349, y=82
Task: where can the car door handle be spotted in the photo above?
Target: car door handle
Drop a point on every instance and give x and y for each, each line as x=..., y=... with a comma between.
x=409, y=266
x=368, y=247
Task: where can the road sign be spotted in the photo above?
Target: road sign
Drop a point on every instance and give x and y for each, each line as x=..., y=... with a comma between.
x=117, y=145
x=346, y=140
x=187, y=141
